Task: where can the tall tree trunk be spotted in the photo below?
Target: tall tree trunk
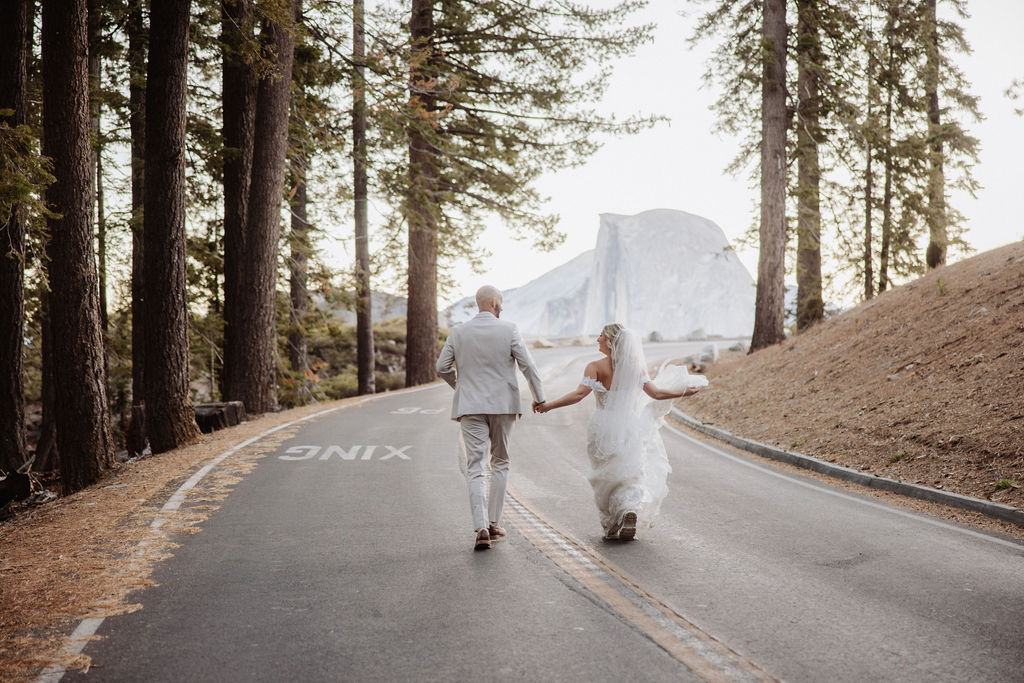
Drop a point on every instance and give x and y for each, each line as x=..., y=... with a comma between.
x=883, y=260
x=135, y=440
x=82, y=413
x=769, y=306
x=364, y=303
x=938, y=238
x=170, y=417
x=101, y=239
x=95, y=112
x=255, y=340
x=46, y=458
x=890, y=89
x=14, y=52
x=869, y=282
x=421, y=208
x=298, y=263
x=869, y=179
x=298, y=260
x=239, y=118
x=809, y=307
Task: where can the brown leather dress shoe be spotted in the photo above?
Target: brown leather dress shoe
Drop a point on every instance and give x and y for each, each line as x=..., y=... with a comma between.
x=495, y=531
x=483, y=540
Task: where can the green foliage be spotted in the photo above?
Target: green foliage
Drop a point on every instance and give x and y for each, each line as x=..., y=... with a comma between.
x=1015, y=92
x=507, y=95
x=896, y=457
x=871, y=78
x=1005, y=484
x=24, y=175
x=333, y=366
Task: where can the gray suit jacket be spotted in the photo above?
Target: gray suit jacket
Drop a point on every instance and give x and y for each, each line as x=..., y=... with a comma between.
x=479, y=361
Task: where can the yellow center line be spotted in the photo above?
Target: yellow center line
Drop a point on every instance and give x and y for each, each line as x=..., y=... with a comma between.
x=697, y=650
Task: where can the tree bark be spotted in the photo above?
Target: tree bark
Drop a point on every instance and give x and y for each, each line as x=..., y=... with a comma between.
x=769, y=306
x=137, y=46
x=883, y=259
x=255, y=334
x=82, y=414
x=421, y=208
x=299, y=259
x=869, y=178
x=938, y=239
x=364, y=303
x=170, y=417
x=810, y=307
x=95, y=113
x=239, y=117
x=13, y=95
x=298, y=265
x=47, y=458
x=889, y=152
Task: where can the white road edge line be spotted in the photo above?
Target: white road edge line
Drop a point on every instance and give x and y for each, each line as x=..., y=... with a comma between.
x=87, y=628
x=823, y=488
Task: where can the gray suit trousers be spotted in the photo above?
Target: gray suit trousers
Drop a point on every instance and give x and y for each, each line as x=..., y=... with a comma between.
x=480, y=434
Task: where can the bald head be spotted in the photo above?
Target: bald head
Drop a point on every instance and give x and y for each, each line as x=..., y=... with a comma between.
x=488, y=298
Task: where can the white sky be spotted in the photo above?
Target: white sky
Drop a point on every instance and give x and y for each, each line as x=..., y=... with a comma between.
x=680, y=165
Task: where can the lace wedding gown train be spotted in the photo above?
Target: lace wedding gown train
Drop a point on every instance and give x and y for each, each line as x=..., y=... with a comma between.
x=629, y=467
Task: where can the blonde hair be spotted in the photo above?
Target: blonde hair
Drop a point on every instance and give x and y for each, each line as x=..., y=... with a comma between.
x=611, y=331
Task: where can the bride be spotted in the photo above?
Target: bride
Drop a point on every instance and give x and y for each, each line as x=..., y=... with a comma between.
x=628, y=464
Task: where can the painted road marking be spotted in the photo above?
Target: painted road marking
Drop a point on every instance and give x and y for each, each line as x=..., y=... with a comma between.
x=345, y=453
x=683, y=640
x=86, y=628
x=413, y=410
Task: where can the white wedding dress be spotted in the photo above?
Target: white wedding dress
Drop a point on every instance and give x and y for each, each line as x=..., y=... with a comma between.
x=629, y=467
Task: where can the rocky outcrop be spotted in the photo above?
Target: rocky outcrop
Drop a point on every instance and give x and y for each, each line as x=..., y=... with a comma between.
x=664, y=273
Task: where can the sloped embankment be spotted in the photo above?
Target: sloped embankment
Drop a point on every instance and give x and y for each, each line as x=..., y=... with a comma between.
x=924, y=383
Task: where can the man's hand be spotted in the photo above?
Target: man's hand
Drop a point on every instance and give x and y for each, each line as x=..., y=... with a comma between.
x=537, y=405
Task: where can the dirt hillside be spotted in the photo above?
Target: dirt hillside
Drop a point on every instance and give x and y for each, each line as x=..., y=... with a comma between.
x=924, y=383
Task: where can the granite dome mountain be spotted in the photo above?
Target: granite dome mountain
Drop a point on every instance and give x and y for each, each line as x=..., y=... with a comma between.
x=661, y=271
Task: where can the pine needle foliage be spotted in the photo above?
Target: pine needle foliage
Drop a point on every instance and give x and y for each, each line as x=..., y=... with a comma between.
x=872, y=132
x=514, y=88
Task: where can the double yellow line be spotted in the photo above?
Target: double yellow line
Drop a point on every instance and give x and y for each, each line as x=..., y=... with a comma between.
x=684, y=641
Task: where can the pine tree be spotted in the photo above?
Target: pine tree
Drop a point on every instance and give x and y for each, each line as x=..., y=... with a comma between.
x=135, y=440
x=238, y=90
x=14, y=32
x=769, y=303
x=250, y=364
x=364, y=302
x=423, y=200
x=81, y=410
x=810, y=307
x=299, y=168
x=496, y=98
x=170, y=418
x=938, y=239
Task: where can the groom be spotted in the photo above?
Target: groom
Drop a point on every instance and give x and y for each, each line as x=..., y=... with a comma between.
x=479, y=362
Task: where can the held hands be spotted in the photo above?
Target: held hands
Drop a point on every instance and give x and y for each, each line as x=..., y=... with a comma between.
x=540, y=407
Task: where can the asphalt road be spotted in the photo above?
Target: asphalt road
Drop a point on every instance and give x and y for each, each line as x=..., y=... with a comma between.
x=346, y=555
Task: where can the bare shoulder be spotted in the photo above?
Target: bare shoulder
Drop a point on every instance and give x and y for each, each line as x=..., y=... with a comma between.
x=600, y=369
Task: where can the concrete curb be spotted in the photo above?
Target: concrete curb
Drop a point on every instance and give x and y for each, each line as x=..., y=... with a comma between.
x=985, y=507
